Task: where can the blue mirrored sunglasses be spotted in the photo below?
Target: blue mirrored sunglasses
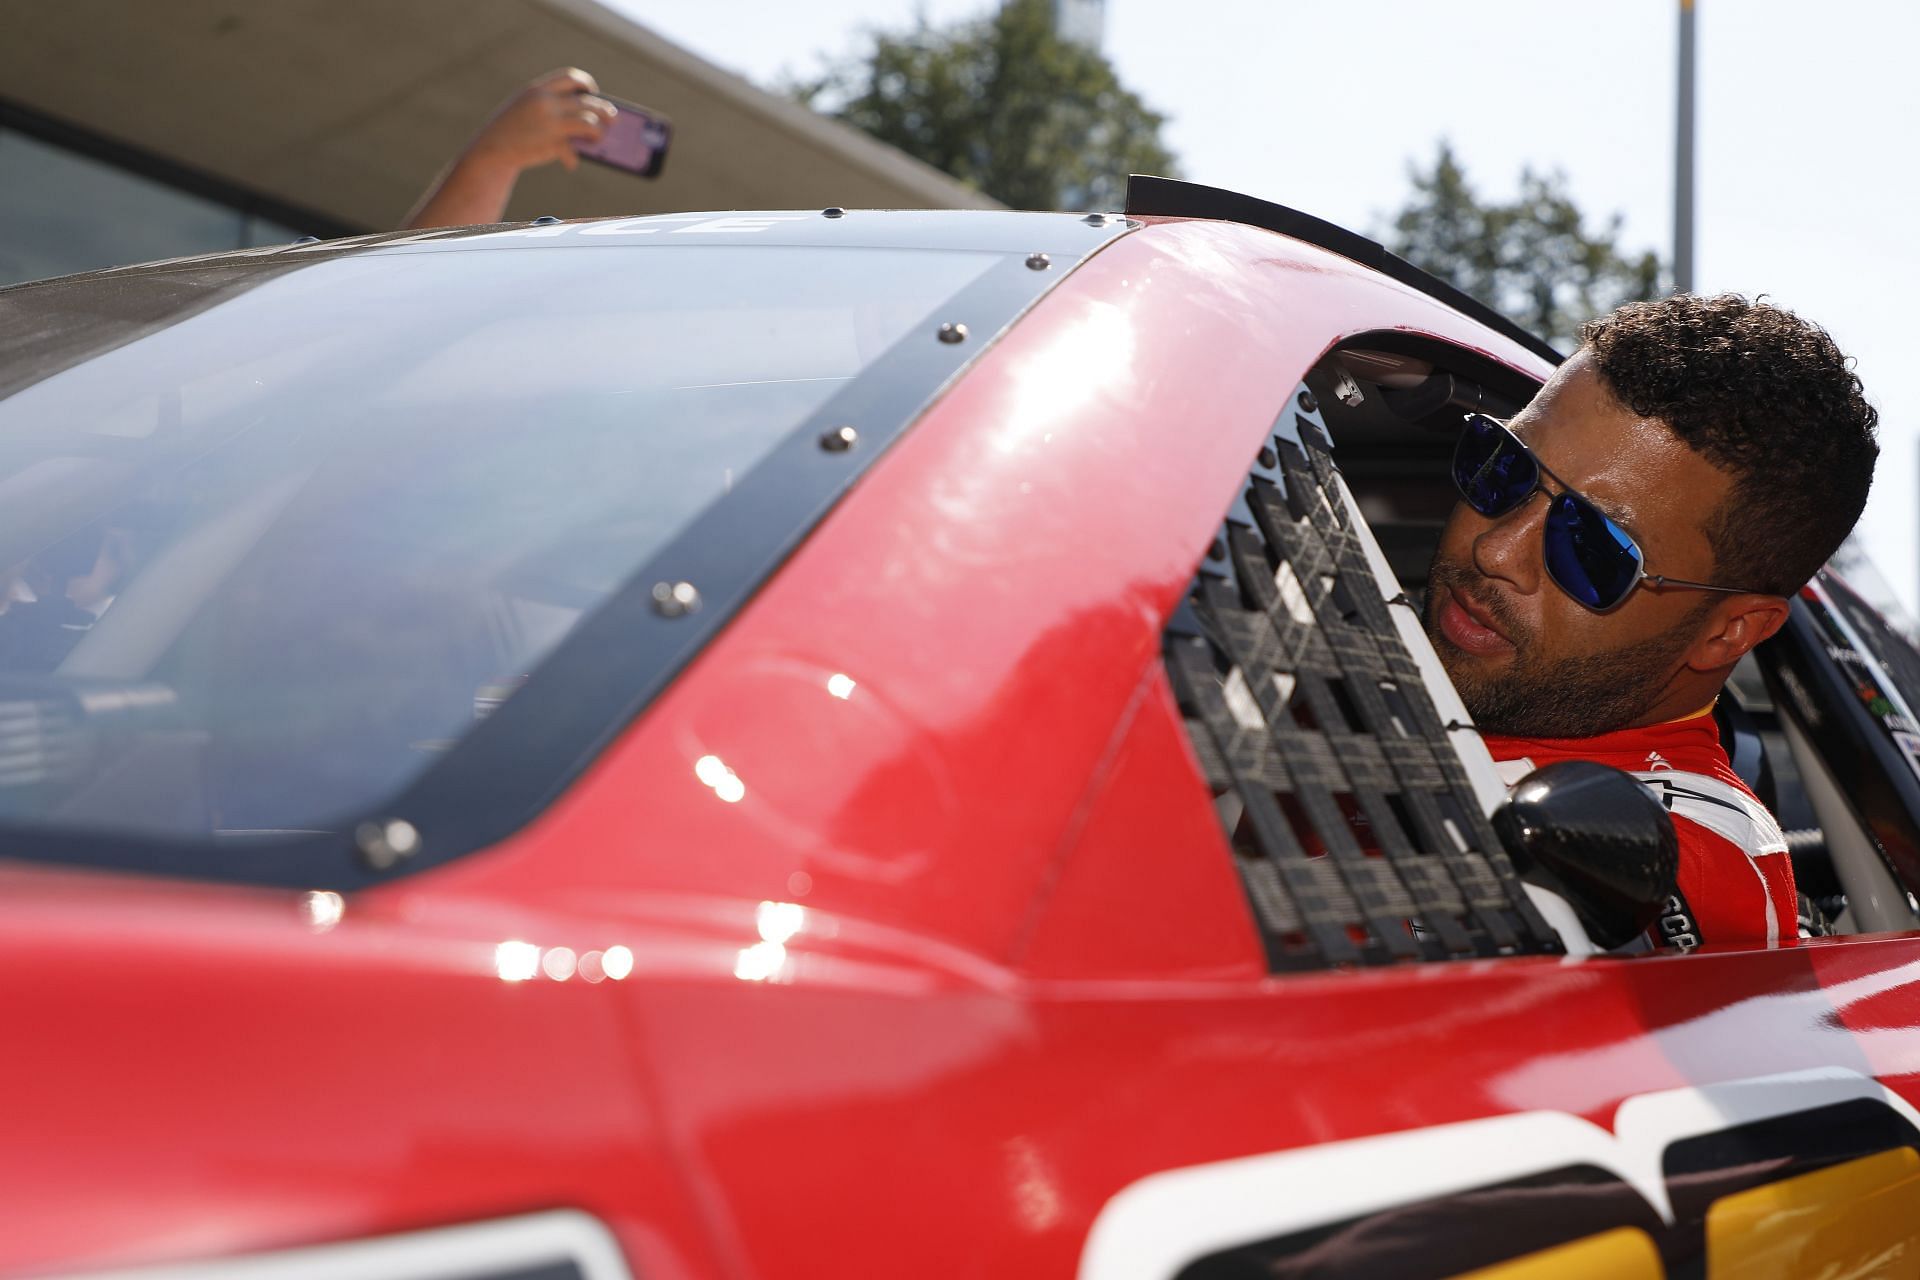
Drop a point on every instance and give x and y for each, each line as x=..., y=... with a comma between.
x=1588, y=556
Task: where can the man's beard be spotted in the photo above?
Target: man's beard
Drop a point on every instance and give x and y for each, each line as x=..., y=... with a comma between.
x=1537, y=697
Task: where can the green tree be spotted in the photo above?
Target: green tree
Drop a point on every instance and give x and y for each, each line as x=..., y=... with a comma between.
x=1534, y=260
x=1003, y=104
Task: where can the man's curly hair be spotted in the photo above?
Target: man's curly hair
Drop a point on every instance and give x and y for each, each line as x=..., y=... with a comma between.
x=1764, y=395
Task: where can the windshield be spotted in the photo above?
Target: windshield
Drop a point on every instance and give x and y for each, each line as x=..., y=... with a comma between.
x=274, y=539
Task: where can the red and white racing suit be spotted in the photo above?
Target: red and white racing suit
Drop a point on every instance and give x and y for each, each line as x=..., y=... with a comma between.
x=1735, y=872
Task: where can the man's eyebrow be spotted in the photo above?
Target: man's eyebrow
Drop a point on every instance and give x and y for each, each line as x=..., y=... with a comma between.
x=1624, y=516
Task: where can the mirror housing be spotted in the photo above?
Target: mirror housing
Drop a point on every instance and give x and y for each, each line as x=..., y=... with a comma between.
x=1599, y=839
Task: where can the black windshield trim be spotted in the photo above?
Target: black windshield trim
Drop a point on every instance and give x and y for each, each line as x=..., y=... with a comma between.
x=508, y=768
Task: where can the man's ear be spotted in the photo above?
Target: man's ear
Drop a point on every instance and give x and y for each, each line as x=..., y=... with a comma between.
x=1736, y=626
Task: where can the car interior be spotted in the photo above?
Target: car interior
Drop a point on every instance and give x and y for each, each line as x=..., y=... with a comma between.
x=1394, y=404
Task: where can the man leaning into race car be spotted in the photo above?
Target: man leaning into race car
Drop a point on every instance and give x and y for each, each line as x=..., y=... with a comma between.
x=1637, y=531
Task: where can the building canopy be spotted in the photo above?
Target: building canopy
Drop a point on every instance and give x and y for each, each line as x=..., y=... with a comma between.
x=348, y=108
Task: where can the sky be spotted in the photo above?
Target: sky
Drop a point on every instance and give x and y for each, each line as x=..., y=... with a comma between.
x=1806, y=170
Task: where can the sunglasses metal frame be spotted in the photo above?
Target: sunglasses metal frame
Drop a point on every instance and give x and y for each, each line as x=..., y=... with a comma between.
x=1542, y=471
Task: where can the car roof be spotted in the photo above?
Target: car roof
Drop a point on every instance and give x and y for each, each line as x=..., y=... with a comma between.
x=976, y=230
x=1166, y=197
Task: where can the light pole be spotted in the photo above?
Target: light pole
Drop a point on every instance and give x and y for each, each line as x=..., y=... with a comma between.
x=1683, y=160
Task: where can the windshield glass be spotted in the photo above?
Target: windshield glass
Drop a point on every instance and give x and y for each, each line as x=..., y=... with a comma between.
x=273, y=538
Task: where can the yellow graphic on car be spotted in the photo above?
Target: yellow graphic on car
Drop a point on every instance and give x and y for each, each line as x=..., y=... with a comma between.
x=1625, y=1254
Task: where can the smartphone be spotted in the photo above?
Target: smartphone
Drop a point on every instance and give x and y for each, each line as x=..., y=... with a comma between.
x=636, y=141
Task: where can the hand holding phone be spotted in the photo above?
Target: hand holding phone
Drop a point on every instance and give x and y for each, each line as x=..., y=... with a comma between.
x=636, y=141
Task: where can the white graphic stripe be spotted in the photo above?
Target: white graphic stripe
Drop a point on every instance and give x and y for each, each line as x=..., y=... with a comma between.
x=1162, y=1223
x=1157, y=1226
x=1766, y=896
x=1719, y=807
x=1731, y=814
x=538, y=1240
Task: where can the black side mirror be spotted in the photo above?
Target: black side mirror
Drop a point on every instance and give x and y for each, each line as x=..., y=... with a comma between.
x=1599, y=839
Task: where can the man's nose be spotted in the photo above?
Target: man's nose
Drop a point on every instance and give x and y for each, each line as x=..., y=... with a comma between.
x=1509, y=548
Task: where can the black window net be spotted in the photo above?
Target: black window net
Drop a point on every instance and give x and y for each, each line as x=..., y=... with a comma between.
x=1354, y=826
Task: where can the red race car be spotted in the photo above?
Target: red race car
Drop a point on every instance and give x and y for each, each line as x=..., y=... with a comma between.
x=855, y=743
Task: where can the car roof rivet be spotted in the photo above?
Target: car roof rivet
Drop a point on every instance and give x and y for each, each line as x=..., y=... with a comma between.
x=545, y=220
x=307, y=240
x=1039, y=261
x=675, y=599
x=1268, y=458
x=388, y=843
x=839, y=440
x=953, y=333
x=833, y=211
x=1307, y=403
x=1095, y=219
